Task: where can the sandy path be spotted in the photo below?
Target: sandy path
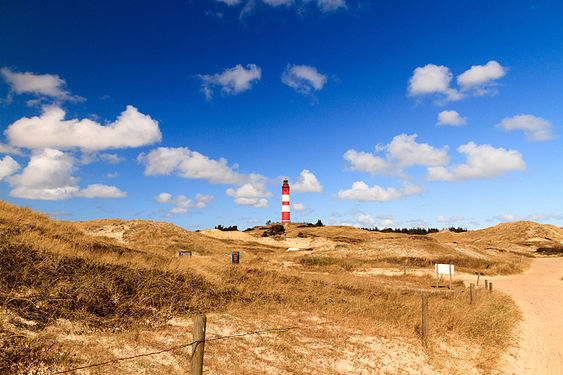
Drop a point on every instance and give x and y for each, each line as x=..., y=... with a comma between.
x=539, y=293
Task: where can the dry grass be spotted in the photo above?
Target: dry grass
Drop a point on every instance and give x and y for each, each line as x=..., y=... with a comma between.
x=129, y=290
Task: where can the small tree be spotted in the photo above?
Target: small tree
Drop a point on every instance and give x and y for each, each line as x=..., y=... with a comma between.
x=319, y=223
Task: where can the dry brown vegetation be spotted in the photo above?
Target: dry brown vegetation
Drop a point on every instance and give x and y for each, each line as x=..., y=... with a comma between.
x=80, y=293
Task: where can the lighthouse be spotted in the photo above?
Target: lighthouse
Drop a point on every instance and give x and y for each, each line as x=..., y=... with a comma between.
x=285, y=202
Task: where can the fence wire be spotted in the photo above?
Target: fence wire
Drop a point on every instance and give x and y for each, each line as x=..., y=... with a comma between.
x=197, y=342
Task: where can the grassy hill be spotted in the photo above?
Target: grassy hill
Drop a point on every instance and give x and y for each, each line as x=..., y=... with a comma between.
x=80, y=293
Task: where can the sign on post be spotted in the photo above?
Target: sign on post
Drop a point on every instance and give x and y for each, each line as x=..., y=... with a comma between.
x=443, y=269
x=184, y=253
x=235, y=256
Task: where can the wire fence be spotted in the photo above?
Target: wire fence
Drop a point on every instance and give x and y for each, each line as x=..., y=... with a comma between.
x=279, y=330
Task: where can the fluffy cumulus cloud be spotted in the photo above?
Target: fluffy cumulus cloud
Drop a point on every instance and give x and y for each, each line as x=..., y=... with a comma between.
x=51, y=130
x=535, y=128
x=8, y=166
x=360, y=191
x=191, y=164
x=307, y=183
x=482, y=161
x=481, y=77
x=303, y=79
x=250, y=194
x=48, y=176
x=231, y=81
x=101, y=191
x=402, y=152
x=50, y=85
x=451, y=118
x=436, y=80
x=433, y=80
x=181, y=203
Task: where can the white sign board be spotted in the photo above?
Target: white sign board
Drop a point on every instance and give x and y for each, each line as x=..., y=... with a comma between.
x=443, y=268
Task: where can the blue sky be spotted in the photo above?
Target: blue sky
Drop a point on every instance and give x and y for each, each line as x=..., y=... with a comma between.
x=403, y=113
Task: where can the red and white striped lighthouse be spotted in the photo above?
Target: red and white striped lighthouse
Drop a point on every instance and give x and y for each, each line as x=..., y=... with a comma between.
x=285, y=202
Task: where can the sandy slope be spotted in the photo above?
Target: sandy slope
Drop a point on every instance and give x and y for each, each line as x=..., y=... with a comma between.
x=539, y=293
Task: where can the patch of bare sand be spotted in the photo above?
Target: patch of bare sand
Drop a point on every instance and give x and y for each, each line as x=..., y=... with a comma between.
x=539, y=294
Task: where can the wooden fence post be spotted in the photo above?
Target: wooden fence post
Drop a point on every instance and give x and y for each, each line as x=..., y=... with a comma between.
x=490, y=287
x=424, y=318
x=478, y=274
x=471, y=293
x=486, y=284
x=450, y=277
x=196, y=367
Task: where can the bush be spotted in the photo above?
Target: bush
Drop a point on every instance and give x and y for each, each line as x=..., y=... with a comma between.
x=274, y=230
x=319, y=223
x=418, y=230
x=232, y=228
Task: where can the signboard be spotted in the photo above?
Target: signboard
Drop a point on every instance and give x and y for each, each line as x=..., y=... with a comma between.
x=444, y=268
x=235, y=257
x=184, y=253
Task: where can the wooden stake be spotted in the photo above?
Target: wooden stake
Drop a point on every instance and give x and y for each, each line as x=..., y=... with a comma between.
x=478, y=274
x=424, y=318
x=450, y=276
x=486, y=284
x=200, y=321
x=490, y=287
x=471, y=293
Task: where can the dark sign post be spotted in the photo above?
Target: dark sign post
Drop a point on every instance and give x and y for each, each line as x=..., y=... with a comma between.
x=235, y=257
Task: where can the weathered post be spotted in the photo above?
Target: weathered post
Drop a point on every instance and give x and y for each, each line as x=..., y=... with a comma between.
x=471, y=293
x=200, y=321
x=478, y=273
x=424, y=318
x=450, y=276
x=486, y=284
x=490, y=287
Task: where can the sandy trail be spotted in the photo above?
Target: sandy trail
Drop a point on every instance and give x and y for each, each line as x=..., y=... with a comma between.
x=539, y=293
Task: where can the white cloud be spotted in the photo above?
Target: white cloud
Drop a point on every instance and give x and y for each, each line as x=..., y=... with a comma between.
x=101, y=191
x=365, y=220
x=231, y=81
x=250, y=194
x=182, y=203
x=112, y=175
x=402, y=152
x=7, y=149
x=163, y=198
x=191, y=164
x=360, y=191
x=253, y=202
x=50, y=130
x=535, y=128
x=50, y=85
x=431, y=80
x=111, y=158
x=8, y=166
x=47, y=176
x=303, y=79
x=307, y=183
x=452, y=219
x=451, y=118
x=330, y=5
x=480, y=77
x=482, y=161
x=298, y=207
